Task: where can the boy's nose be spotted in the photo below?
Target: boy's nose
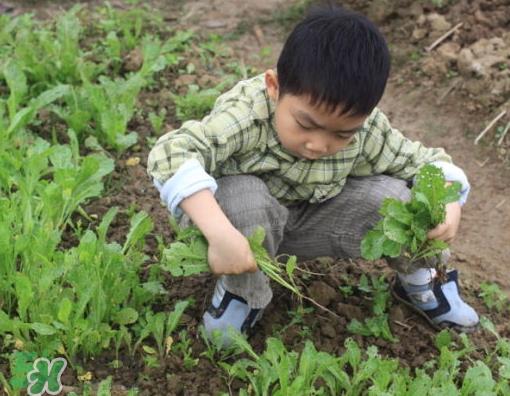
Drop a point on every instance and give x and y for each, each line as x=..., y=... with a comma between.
x=317, y=147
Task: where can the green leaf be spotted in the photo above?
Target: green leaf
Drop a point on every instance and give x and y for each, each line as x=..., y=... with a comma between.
x=24, y=293
x=422, y=198
x=43, y=329
x=17, y=83
x=443, y=339
x=141, y=225
x=64, y=310
x=183, y=260
x=391, y=248
x=258, y=236
x=126, y=316
x=149, y=350
x=372, y=245
x=50, y=96
x=175, y=316
x=504, y=370
x=452, y=193
x=395, y=230
x=478, y=380
x=397, y=210
x=107, y=219
x=105, y=387
x=291, y=265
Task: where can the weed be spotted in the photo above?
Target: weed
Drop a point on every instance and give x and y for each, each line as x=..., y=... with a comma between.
x=493, y=296
x=377, y=325
x=415, y=55
x=184, y=347
x=287, y=16
x=161, y=325
x=157, y=121
x=196, y=103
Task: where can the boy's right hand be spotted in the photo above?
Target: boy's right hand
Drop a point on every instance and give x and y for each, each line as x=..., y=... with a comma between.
x=230, y=254
x=229, y=251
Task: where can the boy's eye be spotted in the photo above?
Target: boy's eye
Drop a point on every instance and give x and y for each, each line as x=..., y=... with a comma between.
x=306, y=128
x=346, y=137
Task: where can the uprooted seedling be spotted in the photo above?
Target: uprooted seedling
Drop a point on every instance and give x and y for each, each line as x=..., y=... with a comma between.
x=188, y=256
x=402, y=231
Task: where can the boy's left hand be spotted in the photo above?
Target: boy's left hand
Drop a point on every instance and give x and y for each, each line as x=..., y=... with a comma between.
x=447, y=230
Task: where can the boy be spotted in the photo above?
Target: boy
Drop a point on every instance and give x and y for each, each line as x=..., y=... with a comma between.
x=303, y=152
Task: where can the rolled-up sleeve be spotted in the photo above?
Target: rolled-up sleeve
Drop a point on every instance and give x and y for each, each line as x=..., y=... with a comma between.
x=185, y=161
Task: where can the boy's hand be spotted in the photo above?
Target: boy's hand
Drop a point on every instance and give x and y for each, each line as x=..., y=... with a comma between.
x=230, y=254
x=447, y=230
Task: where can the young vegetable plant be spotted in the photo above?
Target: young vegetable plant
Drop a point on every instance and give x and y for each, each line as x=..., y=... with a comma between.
x=188, y=256
x=403, y=229
x=377, y=325
x=493, y=296
x=161, y=325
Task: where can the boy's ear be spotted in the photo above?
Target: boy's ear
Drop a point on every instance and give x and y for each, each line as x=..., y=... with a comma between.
x=272, y=86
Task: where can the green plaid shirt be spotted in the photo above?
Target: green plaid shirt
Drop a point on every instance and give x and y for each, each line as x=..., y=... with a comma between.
x=239, y=137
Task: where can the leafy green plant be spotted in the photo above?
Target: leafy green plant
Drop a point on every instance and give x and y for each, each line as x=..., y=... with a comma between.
x=188, y=256
x=196, y=103
x=280, y=372
x=157, y=120
x=403, y=229
x=128, y=25
x=297, y=319
x=161, y=325
x=103, y=389
x=493, y=296
x=377, y=325
x=216, y=350
x=213, y=48
x=184, y=347
x=51, y=54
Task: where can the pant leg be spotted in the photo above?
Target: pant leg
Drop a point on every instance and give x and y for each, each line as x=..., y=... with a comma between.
x=247, y=203
x=336, y=227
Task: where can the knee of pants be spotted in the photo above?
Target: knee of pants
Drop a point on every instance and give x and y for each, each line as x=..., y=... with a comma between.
x=387, y=187
x=247, y=203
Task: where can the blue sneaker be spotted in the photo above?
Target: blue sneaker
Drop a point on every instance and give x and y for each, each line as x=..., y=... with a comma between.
x=439, y=303
x=228, y=310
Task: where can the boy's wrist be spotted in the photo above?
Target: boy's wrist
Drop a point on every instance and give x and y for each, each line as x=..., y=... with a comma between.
x=214, y=229
x=206, y=214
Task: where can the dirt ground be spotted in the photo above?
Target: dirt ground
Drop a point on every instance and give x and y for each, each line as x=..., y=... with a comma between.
x=438, y=97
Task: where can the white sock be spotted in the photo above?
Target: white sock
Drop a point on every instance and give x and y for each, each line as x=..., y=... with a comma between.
x=420, y=277
x=415, y=284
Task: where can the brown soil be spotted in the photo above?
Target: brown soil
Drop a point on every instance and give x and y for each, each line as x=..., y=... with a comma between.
x=416, y=103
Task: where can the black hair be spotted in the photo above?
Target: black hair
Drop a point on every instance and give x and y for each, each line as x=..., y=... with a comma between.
x=337, y=57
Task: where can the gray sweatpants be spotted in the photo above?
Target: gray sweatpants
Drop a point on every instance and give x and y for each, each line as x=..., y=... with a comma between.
x=331, y=228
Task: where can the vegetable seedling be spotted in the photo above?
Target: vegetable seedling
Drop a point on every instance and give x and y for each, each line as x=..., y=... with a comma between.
x=188, y=256
x=403, y=229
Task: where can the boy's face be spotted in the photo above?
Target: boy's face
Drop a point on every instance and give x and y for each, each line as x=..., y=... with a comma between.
x=306, y=131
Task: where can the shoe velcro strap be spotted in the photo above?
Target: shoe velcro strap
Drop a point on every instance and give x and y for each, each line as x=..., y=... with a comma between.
x=443, y=304
x=216, y=312
x=250, y=319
